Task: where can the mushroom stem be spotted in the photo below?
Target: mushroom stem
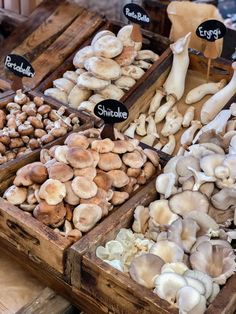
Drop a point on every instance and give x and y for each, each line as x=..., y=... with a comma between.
x=200, y=178
x=131, y=130
x=156, y=101
x=170, y=145
x=188, y=117
x=162, y=111
x=151, y=128
x=187, y=136
x=141, y=129
x=149, y=139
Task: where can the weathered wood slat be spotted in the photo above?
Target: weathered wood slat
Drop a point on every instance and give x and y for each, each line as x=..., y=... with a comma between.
x=63, y=46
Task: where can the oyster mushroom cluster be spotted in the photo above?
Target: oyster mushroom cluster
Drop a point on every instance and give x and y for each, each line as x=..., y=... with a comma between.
x=163, y=112
x=26, y=125
x=76, y=184
x=107, y=68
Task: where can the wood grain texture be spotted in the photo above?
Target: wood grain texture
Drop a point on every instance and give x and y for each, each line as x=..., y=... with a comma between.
x=83, y=27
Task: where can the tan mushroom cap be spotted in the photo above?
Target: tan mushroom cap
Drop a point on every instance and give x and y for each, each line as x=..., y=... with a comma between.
x=103, y=68
x=52, y=191
x=85, y=216
x=60, y=171
x=38, y=173
x=82, y=55
x=108, y=46
x=112, y=91
x=103, y=146
x=133, y=160
x=127, y=56
x=96, y=157
x=77, y=140
x=184, y=162
x=88, y=81
x=79, y=157
x=119, y=178
x=134, y=172
x=71, y=198
x=109, y=161
x=60, y=153
x=122, y=146
x=152, y=156
x=103, y=180
x=119, y=198
x=83, y=187
x=49, y=214
x=89, y=172
x=144, y=268
x=101, y=34
x=22, y=176
x=187, y=201
x=15, y=195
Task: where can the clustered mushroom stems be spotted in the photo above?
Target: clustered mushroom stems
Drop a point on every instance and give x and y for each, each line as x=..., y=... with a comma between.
x=26, y=125
x=106, y=69
x=182, y=245
x=76, y=184
x=163, y=106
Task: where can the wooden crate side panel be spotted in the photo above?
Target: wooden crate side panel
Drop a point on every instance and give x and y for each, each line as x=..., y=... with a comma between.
x=31, y=236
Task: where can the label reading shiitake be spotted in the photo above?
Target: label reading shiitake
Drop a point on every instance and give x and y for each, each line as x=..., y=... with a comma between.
x=136, y=14
x=211, y=30
x=19, y=65
x=111, y=111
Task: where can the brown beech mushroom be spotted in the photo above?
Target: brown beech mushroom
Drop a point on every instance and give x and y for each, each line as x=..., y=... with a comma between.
x=15, y=195
x=52, y=191
x=49, y=214
x=85, y=216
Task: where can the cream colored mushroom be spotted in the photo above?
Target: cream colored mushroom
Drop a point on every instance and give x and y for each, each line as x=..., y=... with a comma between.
x=103, y=68
x=52, y=191
x=85, y=216
x=57, y=94
x=163, y=109
x=188, y=117
x=84, y=187
x=77, y=95
x=132, y=71
x=131, y=129
x=112, y=91
x=173, y=122
x=169, y=147
x=177, y=267
x=204, y=221
x=200, y=178
x=15, y=195
x=169, y=251
x=141, y=216
x=147, y=55
x=101, y=34
x=88, y=81
x=71, y=75
x=149, y=139
x=202, y=277
x=141, y=127
x=63, y=84
x=165, y=184
x=188, y=135
x=82, y=55
x=108, y=46
x=156, y=101
x=161, y=214
x=224, y=198
x=124, y=35
x=125, y=82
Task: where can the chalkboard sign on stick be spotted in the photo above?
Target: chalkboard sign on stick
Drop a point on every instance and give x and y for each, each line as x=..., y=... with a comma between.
x=136, y=14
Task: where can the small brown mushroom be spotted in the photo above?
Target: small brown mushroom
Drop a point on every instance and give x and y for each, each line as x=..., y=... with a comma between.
x=103, y=146
x=52, y=191
x=44, y=109
x=119, y=178
x=122, y=147
x=103, y=180
x=79, y=157
x=71, y=198
x=109, y=161
x=49, y=214
x=2, y=119
x=33, y=144
x=60, y=171
x=83, y=187
x=133, y=160
x=15, y=195
x=119, y=197
x=38, y=173
x=77, y=140
x=85, y=216
x=89, y=172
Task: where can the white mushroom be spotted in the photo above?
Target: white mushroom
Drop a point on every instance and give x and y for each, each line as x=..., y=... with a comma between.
x=200, y=178
x=187, y=299
x=147, y=55
x=131, y=129
x=188, y=117
x=165, y=184
x=151, y=128
x=169, y=251
x=202, y=277
x=162, y=110
x=149, y=139
x=141, y=128
x=177, y=267
x=132, y=71
x=173, y=122
x=161, y=214
x=156, y=101
x=188, y=135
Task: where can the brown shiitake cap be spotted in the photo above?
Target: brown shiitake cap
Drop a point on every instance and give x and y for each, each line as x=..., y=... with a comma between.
x=60, y=153
x=92, y=132
x=60, y=171
x=103, y=146
x=85, y=216
x=152, y=156
x=119, y=197
x=119, y=178
x=77, y=140
x=89, y=172
x=103, y=68
x=88, y=81
x=83, y=187
x=127, y=56
x=49, y=214
x=71, y=198
x=38, y=172
x=133, y=172
x=129, y=188
x=103, y=180
x=109, y=161
x=133, y=160
x=96, y=157
x=52, y=191
x=15, y=195
x=79, y=157
x=23, y=174
x=122, y=147
x=108, y=46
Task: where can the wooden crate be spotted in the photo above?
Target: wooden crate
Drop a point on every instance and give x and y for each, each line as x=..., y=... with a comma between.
x=117, y=290
x=52, y=32
x=139, y=101
x=150, y=41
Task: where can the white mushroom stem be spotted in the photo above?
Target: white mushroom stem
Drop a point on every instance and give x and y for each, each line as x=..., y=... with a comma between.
x=213, y=105
x=218, y=124
x=149, y=139
x=175, y=83
x=170, y=145
x=151, y=128
x=200, y=178
x=173, y=122
x=159, y=145
x=131, y=130
x=187, y=136
x=188, y=117
x=141, y=128
x=156, y=101
x=162, y=111
x=202, y=90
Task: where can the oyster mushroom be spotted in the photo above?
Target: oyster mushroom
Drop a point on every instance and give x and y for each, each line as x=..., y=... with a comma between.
x=141, y=217
x=113, y=250
x=188, y=298
x=204, y=221
x=177, y=267
x=224, y=198
x=85, y=216
x=200, y=178
x=161, y=214
x=169, y=251
x=202, y=277
x=165, y=184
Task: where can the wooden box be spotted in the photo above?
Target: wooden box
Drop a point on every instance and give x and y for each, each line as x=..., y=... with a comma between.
x=116, y=289
x=151, y=41
x=139, y=101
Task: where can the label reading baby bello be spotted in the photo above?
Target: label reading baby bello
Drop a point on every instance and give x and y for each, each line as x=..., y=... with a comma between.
x=136, y=14
x=19, y=66
x=211, y=30
x=111, y=111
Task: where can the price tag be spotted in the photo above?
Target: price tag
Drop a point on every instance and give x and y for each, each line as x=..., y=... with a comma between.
x=111, y=111
x=136, y=14
x=211, y=30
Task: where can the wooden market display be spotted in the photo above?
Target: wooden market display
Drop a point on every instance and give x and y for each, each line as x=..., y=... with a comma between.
x=49, y=39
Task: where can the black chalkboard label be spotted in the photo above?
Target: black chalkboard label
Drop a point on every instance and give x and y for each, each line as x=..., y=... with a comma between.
x=19, y=65
x=111, y=111
x=136, y=14
x=211, y=30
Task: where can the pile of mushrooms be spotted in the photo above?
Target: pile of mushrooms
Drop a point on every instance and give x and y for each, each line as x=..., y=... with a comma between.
x=26, y=125
x=107, y=68
x=182, y=244
x=163, y=106
x=76, y=184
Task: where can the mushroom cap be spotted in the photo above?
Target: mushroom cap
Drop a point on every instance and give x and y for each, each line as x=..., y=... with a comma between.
x=165, y=184
x=133, y=159
x=15, y=195
x=112, y=91
x=210, y=162
x=82, y=55
x=103, y=180
x=49, y=214
x=187, y=298
x=78, y=94
x=103, y=146
x=109, y=161
x=77, y=140
x=119, y=197
x=83, y=187
x=202, y=277
x=52, y=191
x=85, y=216
x=127, y=56
x=122, y=146
x=119, y=178
x=88, y=81
x=152, y=156
x=204, y=221
x=187, y=161
x=101, y=34
x=187, y=201
x=103, y=68
x=169, y=251
x=63, y=84
x=23, y=176
x=177, y=268
x=108, y=46
x=60, y=153
x=124, y=35
x=144, y=268
x=89, y=172
x=60, y=171
x=58, y=94
x=38, y=173
x=71, y=198
x=79, y=157
x=160, y=213
x=141, y=216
